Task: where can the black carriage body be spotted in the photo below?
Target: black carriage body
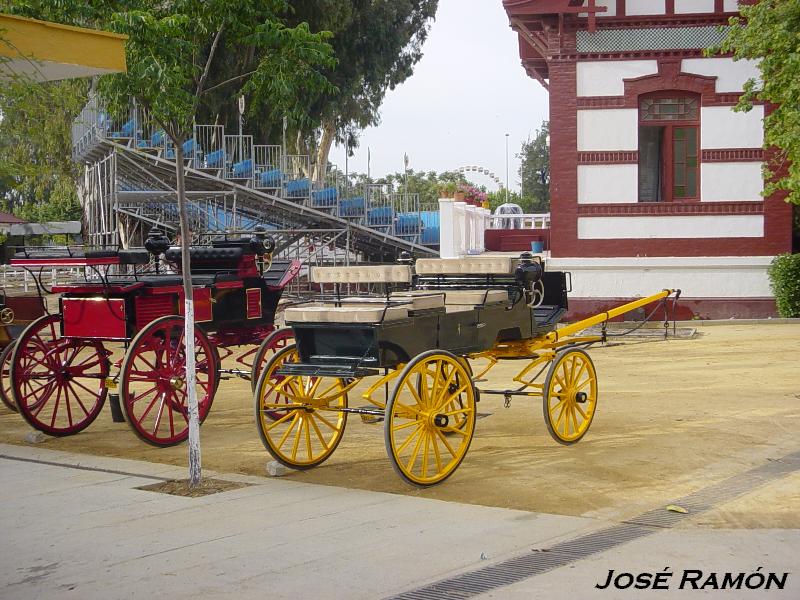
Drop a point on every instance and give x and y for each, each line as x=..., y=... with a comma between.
x=345, y=349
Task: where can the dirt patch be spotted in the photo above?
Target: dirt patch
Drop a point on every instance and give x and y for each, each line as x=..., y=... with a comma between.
x=180, y=487
x=673, y=417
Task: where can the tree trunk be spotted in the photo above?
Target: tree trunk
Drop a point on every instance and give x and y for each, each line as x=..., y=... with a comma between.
x=324, y=149
x=188, y=336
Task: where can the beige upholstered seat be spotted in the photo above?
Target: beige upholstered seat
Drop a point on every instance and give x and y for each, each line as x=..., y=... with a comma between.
x=362, y=274
x=421, y=299
x=477, y=265
x=347, y=313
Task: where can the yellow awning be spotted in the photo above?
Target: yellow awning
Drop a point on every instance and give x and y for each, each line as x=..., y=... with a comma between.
x=44, y=51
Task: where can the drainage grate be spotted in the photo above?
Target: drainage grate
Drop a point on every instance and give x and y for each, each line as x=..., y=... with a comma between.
x=519, y=568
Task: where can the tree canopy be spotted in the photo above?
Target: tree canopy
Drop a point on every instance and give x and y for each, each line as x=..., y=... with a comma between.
x=534, y=171
x=769, y=32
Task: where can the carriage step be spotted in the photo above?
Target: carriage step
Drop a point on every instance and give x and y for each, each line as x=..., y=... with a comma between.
x=305, y=370
x=116, y=410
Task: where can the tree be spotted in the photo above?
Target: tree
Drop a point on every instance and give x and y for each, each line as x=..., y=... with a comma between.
x=170, y=51
x=377, y=43
x=534, y=171
x=768, y=32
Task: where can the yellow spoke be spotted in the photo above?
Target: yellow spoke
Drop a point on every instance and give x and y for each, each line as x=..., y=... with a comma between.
x=452, y=429
x=281, y=405
x=415, y=453
x=455, y=395
x=414, y=393
x=452, y=413
x=425, y=454
x=583, y=385
x=279, y=421
x=447, y=382
x=561, y=414
x=329, y=388
x=559, y=380
x=580, y=371
x=436, y=454
x=289, y=430
x=574, y=419
x=296, y=444
x=555, y=406
x=408, y=440
x=314, y=387
x=572, y=369
x=411, y=408
x=404, y=425
x=319, y=434
x=328, y=423
x=580, y=410
x=308, y=438
x=445, y=442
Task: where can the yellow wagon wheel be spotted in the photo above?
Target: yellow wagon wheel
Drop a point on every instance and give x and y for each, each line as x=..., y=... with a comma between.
x=430, y=418
x=296, y=415
x=570, y=396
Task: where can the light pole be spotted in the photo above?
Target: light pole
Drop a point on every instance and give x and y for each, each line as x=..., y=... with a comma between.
x=507, y=168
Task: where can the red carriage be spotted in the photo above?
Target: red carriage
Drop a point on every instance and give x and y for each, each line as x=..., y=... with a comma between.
x=65, y=364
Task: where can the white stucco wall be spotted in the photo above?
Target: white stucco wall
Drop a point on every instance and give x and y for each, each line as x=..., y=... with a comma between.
x=696, y=277
x=611, y=8
x=667, y=227
x=730, y=75
x=694, y=6
x=604, y=78
x=731, y=6
x=608, y=129
x=607, y=184
x=721, y=127
x=645, y=7
x=731, y=181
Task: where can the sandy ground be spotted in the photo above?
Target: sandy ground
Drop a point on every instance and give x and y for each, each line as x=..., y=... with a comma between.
x=672, y=417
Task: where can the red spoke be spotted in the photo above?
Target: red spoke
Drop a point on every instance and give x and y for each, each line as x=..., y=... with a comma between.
x=77, y=398
x=55, y=408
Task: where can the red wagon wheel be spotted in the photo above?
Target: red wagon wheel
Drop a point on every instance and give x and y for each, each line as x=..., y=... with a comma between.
x=152, y=381
x=277, y=340
x=5, y=376
x=58, y=384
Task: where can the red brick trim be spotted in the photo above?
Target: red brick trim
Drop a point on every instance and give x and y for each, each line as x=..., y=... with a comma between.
x=671, y=209
x=608, y=158
x=600, y=102
x=669, y=77
x=733, y=155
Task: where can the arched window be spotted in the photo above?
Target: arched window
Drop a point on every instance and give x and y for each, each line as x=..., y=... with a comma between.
x=669, y=147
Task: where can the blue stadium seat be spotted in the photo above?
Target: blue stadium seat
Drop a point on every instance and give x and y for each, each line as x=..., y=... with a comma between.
x=298, y=188
x=271, y=178
x=352, y=207
x=325, y=198
x=381, y=216
x=408, y=223
x=215, y=160
x=126, y=131
x=157, y=139
x=243, y=169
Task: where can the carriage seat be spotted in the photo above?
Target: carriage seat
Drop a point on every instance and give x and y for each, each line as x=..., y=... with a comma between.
x=318, y=312
x=203, y=254
x=362, y=274
x=473, y=265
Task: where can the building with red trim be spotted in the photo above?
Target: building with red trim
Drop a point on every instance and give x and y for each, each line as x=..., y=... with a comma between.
x=655, y=181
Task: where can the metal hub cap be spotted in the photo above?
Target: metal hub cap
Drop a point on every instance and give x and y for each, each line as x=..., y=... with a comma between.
x=176, y=383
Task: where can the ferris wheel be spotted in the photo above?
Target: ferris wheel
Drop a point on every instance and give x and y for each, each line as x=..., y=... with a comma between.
x=482, y=171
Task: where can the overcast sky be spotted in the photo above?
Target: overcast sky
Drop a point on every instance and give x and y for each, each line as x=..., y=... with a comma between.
x=466, y=93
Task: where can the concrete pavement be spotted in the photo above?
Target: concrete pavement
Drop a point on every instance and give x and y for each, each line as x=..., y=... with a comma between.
x=75, y=526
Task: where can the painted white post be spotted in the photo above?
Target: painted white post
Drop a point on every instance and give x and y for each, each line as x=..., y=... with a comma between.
x=460, y=229
x=447, y=228
x=484, y=222
x=472, y=233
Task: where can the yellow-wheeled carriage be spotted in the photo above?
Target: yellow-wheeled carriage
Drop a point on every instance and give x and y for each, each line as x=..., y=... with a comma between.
x=416, y=341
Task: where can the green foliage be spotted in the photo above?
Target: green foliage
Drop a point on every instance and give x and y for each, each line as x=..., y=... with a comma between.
x=534, y=172
x=37, y=175
x=784, y=275
x=769, y=32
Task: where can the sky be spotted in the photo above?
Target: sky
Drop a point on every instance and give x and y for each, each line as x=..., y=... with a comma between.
x=466, y=93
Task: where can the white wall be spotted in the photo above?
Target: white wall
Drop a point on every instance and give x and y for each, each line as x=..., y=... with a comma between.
x=730, y=75
x=694, y=6
x=608, y=129
x=666, y=227
x=696, y=277
x=645, y=7
x=721, y=127
x=731, y=6
x=604, y=78
x=731, y=181
x=611, y=8
x=606, y=184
